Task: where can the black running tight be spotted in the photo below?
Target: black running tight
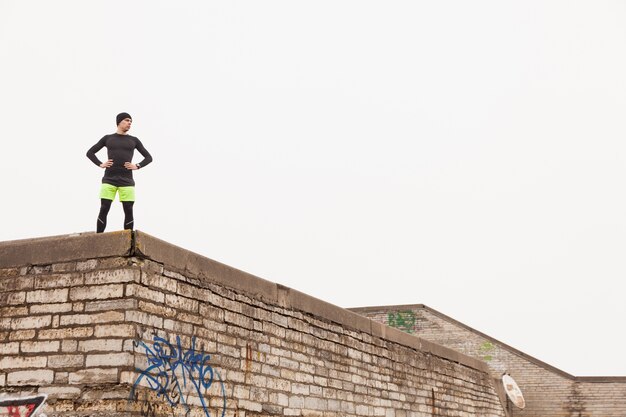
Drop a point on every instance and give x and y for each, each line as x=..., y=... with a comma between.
x=128, y=214
x=105, y=206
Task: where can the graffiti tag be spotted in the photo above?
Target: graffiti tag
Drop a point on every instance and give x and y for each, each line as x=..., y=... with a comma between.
x=22, y=407
x=176, y=374
x=402, y=320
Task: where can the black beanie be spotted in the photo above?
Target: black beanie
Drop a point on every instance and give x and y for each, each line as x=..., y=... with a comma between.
x=121, y=117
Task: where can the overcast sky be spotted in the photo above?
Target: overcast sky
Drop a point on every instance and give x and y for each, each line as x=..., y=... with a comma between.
x=468, y=155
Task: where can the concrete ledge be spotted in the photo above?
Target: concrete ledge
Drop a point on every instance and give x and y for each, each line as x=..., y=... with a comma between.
x=54, y=249
x=203, y=268
x=67, y=248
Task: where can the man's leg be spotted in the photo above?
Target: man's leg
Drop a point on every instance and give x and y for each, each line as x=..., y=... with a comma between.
x=128, y=214
x=105, y=205
x=127, y=197
x=107, y=194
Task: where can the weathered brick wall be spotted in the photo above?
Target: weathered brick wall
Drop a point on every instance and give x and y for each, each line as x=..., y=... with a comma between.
x=602, y=396
x=548, y=391
x=106, y=325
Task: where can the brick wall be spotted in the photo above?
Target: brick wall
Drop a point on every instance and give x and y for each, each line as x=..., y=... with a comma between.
x=122, y=325
x=548, y=391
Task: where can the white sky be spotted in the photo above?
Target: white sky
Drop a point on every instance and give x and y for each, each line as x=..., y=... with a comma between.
x=468, y=155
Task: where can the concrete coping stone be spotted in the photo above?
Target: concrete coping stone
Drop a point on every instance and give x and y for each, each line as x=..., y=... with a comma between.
x=83, y=246
x=64, y=248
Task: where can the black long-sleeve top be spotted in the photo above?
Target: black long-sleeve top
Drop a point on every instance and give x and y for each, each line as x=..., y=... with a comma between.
x=120, y=149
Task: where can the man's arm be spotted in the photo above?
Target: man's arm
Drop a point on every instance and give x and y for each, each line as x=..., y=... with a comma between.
x=91, y=154
x=146, y=155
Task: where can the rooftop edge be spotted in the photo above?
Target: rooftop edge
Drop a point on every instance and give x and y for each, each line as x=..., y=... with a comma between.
x=538, y=362
x=89, y=245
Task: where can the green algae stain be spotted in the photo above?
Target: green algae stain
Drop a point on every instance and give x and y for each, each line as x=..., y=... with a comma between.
x=486, y=351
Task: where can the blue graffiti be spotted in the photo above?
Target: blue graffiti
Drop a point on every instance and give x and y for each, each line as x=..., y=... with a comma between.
x=174, y=373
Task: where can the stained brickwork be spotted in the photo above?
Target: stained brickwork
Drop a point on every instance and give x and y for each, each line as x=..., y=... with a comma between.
x=140, y=327
x=548, y=391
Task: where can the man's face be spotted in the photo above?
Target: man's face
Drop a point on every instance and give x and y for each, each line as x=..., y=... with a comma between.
x=124, y=125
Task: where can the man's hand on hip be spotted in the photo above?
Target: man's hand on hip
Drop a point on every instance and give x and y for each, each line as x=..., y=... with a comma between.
x=106, y=164
x=129, y=165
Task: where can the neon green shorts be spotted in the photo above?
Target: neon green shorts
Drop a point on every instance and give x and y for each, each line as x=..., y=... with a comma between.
x=108, y=191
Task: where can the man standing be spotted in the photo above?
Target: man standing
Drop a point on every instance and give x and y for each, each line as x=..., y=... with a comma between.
x=118, y=174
